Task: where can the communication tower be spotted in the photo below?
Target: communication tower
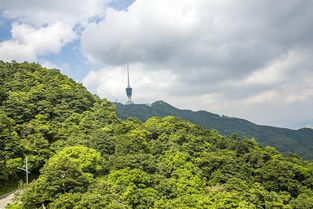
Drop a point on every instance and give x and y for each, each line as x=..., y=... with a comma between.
x=129, y=90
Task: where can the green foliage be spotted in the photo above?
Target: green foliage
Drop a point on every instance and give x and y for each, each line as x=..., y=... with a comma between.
x=285, y=140
x=66, y=201
x=303, y=201
x=42, y=111
x=88, y=158
x=10, y=147
x=70, y=170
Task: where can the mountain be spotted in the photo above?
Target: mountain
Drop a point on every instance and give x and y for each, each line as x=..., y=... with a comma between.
x=42, y=110
x=86, y=157
x=306, y=124
x=286, y=140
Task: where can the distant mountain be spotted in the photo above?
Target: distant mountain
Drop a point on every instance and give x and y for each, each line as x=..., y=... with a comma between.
x=286, y=140
x=306, y=124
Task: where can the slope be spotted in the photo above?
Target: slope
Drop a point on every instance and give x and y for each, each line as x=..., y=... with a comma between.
x=286, y=140
x=40, y=111
x=88, y=158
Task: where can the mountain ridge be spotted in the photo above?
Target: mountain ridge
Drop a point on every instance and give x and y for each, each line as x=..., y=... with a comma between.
x=299, y=141
x=86, y=157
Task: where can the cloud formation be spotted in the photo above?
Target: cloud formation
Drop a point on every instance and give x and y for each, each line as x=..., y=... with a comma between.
x=248, y=58
x=147, y=85
x=210, y=34
x=27, y=43
x=228, y=56
x=42, y=27
x=43, y=12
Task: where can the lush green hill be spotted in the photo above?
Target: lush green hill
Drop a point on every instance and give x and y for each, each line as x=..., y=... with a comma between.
x=286, y=140
x=41, y=107
x=88, y=158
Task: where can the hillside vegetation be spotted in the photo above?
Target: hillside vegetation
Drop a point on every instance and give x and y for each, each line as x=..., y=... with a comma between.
x=285, y=140
x=88, y=158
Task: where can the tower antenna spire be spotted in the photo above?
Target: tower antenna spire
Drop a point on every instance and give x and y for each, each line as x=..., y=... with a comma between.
x=128, y=76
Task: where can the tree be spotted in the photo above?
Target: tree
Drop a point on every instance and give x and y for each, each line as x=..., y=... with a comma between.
x=11, y=150
x=69, y=171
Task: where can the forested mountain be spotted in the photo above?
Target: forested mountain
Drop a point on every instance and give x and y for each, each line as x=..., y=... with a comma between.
x=285, y=140
x=40, y=111
x=89, y=158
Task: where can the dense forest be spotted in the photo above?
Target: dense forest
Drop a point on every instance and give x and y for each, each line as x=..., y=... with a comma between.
x=285, y=140
x=87, y=157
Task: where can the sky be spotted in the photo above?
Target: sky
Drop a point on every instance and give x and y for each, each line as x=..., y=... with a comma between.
x=242, y=58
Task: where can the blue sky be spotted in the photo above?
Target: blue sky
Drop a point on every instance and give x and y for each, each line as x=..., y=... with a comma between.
x=251, y=59
x=5, y=28
x=70, y=58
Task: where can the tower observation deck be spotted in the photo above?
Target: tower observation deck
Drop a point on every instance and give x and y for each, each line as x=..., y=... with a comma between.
x=129, y=90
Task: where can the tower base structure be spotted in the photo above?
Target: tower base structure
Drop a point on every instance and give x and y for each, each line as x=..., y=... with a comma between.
x=129, y=102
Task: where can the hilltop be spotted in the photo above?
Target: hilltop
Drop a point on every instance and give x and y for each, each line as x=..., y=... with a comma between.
x=286, y=140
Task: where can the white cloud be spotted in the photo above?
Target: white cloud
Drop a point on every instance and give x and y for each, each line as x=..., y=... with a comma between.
x=263, y=97
x=251, y=59
x=279, y=69
x=181, y=34
x=112, y=81
x=27, y=43
x=300, y=91
x=301, y=96
x=212, y=45
x=42, y=27
x=42, y=12
x=245, y=59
